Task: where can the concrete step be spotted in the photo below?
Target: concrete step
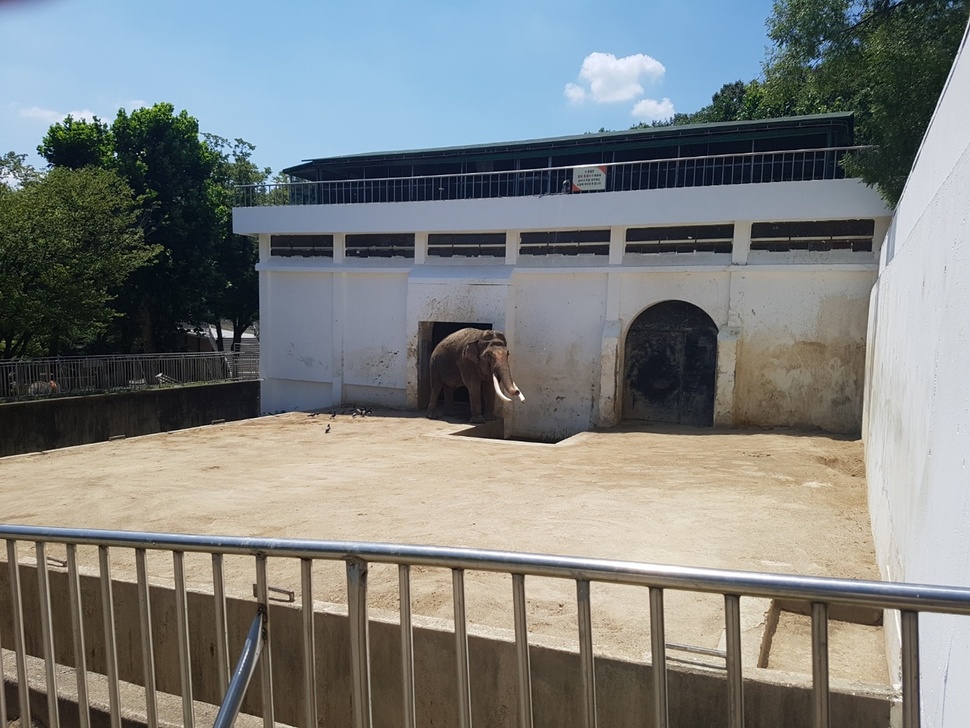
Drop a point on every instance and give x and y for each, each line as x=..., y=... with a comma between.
x=134, y=712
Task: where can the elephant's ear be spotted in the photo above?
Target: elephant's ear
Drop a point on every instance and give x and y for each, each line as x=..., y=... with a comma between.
x=470, y=352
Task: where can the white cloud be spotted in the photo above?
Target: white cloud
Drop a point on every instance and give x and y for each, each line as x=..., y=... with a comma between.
x=610, y=79
x=653, y=110
x=575, y=94
x=50, y=116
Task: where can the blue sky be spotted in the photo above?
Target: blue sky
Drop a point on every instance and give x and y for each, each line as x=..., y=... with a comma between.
x=303, y=79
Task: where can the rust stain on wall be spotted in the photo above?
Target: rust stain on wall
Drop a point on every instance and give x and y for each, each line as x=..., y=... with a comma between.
x=807, y=384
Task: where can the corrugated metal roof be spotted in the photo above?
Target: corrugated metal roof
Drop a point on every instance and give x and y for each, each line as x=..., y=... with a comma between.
x=651, y=136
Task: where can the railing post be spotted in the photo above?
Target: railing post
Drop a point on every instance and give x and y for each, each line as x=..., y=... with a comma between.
x=820, y=664
x=147, y=649
x=47, y=633
x=17, y=607
x=182, y=628
x=461, y=649
x=522, y=651
x=586, y=652
x=732, y=628
x=910, y=659
x=359, y=641
x=266, y=664
x=77, y=628
x=658, y=653
x=222, y=635
x=110, y=643
x=309, y=644
x=407, y=645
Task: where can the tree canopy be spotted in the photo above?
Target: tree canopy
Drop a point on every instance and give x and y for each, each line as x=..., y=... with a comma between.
x=183, y=180
x=884, y=60
x=68, y=242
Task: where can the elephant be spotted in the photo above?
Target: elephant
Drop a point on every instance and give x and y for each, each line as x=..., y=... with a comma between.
x=470, y=358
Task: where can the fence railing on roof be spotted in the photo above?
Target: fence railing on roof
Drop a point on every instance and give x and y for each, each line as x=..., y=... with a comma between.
x=75, y=375
x=911, y=600
x=653, y=174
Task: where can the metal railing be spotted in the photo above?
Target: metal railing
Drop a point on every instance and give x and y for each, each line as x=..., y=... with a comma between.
x=911, y=600
x=653, y=174
x=75, y=375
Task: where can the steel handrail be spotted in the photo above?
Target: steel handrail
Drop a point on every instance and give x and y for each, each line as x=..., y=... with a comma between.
x=232, y=702
x=821, y=592
x=538, y=170
x=245, y=192
x=857, y=592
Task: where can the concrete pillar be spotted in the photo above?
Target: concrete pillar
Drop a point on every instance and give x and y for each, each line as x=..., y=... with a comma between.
x=617, y=244
x=510, y=408
x=420, y=248
x=264, y=305
x=607, y=410
x=511, y=247
x=741, y=244
x=727, y=357
x=339, y=247
x=339, y=304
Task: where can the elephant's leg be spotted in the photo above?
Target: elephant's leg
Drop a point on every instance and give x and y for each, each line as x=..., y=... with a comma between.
x=475, y=401
x=488, y=405
x=449, y=400
x=433, y=402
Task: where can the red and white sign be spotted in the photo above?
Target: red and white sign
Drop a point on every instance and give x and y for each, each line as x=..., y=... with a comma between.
x=589, y=179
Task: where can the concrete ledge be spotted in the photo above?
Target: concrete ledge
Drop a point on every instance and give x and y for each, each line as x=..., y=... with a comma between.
x=48, y=424
x=134, y=713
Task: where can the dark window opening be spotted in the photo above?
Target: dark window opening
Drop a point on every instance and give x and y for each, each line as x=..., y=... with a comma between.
x=381, y=245
x=680, y=239
x=468, y=245
x=302, y=246
x=565, y=242
x=814, y=236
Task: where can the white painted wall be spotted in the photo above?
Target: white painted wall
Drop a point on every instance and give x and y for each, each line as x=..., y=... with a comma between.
x=917, y=418
x=347, y=330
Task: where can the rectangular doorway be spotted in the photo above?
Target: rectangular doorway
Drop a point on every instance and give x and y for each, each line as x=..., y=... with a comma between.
x=430, y=333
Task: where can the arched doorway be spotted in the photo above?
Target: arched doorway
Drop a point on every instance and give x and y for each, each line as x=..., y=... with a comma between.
x=671, y=365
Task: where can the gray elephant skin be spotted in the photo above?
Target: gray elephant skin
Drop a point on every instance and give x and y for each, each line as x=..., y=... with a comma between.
x=477, y=359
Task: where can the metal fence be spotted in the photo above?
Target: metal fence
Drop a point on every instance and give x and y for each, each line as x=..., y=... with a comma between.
x=75, y=375
x=702, y=171
x=823, y=594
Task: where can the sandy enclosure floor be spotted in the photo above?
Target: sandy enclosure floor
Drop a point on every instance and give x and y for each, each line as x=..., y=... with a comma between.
x=775, y=501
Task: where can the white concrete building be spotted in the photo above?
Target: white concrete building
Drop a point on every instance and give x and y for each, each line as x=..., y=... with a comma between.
x=709, y=274
x=917, y=414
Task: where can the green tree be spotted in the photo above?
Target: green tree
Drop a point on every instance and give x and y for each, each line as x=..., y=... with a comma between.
x=68, y=242
x=236, y=299
x=77, y=143
x=885, y=60
x=162, y=157
x=15, y=172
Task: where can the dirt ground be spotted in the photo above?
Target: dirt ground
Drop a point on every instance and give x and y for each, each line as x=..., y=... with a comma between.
x=775, y=501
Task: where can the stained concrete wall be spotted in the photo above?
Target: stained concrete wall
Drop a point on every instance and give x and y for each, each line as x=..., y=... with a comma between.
x=47, y=424
x=917, y=416
x=624, y=693
x=339, y=330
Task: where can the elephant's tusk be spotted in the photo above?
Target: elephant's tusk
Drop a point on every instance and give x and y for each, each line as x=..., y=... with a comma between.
x=516, y=387
x=498, y=389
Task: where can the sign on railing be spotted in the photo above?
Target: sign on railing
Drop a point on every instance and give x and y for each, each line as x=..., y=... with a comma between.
x=589, y=179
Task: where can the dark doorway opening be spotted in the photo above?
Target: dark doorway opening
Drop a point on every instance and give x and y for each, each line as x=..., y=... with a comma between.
x=671, y=365
x=430, y=333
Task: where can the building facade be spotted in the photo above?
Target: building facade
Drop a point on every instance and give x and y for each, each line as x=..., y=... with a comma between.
x=715, y=274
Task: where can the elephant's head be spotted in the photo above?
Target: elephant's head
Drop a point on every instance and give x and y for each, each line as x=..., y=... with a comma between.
x=490, y=353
